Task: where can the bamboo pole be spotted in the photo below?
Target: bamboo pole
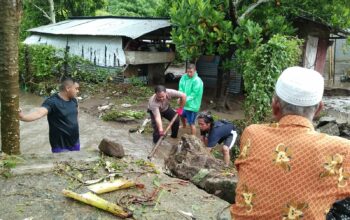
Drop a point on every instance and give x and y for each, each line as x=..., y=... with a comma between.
x=93, y=200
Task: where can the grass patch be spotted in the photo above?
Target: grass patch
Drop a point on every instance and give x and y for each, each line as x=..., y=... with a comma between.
x=130, y=114
x=8, y=162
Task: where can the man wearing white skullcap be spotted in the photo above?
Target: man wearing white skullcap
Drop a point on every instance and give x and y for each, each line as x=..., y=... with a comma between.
x=287, y=170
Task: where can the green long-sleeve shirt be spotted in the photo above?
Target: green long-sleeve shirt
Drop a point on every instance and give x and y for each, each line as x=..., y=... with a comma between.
x=193, y=88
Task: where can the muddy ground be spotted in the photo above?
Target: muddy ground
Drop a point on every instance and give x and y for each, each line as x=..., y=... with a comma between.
x=33, y=193
x=136, y=98
x=32, y=189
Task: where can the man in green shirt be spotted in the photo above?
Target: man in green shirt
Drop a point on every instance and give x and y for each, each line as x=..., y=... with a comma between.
x=192, y=86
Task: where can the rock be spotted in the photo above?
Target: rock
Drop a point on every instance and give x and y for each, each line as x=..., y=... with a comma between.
x=343, y=127
x=330, y=128
x=125, y=105
x=325, y=120
x=345, y=133
x=190, y=160
x=104, y=107
x=214, y=185
x=341, y=121
x=111, y=148
x=126, y=120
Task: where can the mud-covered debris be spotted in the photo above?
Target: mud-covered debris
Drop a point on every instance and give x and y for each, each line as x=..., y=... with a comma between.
x=104, y=107
x=125, y=105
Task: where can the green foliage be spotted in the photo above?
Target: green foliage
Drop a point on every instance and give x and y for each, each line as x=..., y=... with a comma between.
x=33, y=17
x=199, y=28
x=261, y=70
x=334, y=12
x=156, y=181
x=162, y=8
x=85, y=71
x=43, y=61
x=68, y=8
x=325, y=11
x=114, y=115
x=234, y=153
x=42, y=66
x=38, y=66
x=276, y=25
x=136, y=82
x=204, y=27
x=8, y=162
x=248, y=35
x=202, y=173
x=135, y=8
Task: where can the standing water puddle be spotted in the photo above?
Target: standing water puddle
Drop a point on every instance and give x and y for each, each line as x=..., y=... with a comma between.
x=35, y=135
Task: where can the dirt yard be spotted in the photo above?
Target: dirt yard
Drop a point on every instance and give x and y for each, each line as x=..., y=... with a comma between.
x=31, y=189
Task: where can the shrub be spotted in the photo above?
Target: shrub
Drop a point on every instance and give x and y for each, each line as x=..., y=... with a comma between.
x=113, y=115
x=261, y=70
x=42, y=66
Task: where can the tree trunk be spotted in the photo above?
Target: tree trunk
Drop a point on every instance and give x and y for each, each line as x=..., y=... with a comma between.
x=222, y=89
x=52, y=11
x=223, y=80
x=9, y=86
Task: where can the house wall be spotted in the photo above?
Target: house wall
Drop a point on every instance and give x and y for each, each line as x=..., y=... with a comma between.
x=156, y=73
x=148, y=57
x=342, y=58
x=316, y=36
x=207, y=68
x=100, y=50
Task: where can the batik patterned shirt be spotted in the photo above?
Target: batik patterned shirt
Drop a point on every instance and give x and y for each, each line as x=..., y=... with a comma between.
x=287, y=170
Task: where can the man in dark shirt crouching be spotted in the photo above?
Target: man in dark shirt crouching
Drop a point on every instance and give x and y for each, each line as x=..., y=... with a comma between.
x=217, y=132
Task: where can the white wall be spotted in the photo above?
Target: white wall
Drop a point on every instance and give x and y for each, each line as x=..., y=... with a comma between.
x=103, y=51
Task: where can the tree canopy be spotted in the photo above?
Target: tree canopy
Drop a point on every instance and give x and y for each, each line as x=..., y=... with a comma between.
x=34, y=11
x=241, y=30
x=211, y=22
x=135, y=8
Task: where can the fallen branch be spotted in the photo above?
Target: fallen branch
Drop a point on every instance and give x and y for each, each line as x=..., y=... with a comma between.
x=144, y=200
x=71, y=176
x=93, y=200
x=251, y=8
x=100, y=188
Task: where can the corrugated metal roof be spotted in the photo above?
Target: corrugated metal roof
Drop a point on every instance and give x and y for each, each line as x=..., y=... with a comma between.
x=105, y=26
